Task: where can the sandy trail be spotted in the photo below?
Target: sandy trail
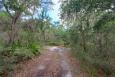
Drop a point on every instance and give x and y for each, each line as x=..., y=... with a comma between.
x=53, y=62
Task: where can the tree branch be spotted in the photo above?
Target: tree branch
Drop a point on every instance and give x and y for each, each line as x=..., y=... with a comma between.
x=6, y=8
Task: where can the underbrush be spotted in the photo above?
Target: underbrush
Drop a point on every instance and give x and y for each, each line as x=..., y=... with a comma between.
x=13, y=55
x=55, y=43
x=97, y=65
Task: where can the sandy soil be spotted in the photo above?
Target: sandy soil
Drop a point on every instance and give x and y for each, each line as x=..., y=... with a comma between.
x=53, y=62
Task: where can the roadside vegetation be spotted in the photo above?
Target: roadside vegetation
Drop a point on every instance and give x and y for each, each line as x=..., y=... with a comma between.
x=22, y=33
x=90, y=33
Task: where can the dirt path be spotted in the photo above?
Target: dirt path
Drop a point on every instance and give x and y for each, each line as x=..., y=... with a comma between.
x=53, y=62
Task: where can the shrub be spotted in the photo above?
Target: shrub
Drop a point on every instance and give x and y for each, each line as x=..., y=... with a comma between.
x=22, y=54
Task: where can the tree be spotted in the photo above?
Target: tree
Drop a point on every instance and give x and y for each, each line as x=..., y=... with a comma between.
x=15, y=8
x=45, y=6
x=90, y=28
x=81, y=11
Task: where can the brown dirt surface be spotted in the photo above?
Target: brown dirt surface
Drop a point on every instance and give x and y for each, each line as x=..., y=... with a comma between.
x=54, y=61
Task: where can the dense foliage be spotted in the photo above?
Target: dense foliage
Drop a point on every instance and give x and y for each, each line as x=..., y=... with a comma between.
x=91, y=25
x=22, y=35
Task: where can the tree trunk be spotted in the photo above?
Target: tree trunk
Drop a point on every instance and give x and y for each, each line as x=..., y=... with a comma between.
x=99, y=40
x=83, y=41
x=13, y=32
